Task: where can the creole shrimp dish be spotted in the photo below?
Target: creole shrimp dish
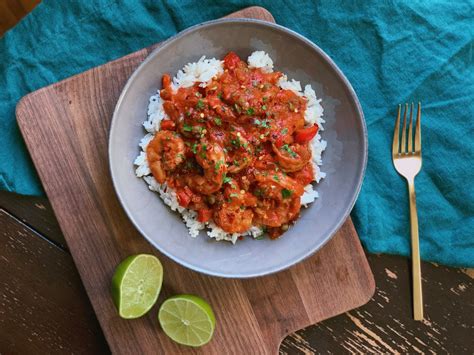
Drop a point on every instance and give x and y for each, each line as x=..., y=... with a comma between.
x=233, y=146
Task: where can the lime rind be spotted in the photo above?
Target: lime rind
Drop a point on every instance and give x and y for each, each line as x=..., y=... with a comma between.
x=136, y=285
x=187, y=319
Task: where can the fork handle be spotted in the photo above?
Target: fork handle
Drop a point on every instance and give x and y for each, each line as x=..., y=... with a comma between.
x=415, y=254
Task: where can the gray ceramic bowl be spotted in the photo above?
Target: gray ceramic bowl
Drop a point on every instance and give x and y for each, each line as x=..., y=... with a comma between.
x=344, y=160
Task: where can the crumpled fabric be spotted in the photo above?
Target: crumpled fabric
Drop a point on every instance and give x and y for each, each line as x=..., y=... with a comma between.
x=392, y=52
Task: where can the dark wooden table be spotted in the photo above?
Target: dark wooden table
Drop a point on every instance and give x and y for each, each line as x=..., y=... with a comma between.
x=44, y=308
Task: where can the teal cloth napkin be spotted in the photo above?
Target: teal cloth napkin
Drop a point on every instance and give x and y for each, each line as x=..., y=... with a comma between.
x=392, y=52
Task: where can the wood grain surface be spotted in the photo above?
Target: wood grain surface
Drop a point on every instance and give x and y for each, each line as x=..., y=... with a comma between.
x=12, y=11
x=65, y=127
x=383, y=325
x=34, y=211
x=37, y=283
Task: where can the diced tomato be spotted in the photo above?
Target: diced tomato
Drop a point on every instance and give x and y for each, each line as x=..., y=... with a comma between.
x=204, y=215
x=231, y=60
x=184, y=198
x=306, y=134
x=167, y=125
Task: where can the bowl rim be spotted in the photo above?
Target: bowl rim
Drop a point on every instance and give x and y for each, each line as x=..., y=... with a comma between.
x=350, y=90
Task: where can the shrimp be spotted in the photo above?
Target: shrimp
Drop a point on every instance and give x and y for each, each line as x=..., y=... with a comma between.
x=164, y=153
x=279, y=201
x=272, y=213
x=233, y=218
x=238, y=196
x=292, y=157
x=211, y=157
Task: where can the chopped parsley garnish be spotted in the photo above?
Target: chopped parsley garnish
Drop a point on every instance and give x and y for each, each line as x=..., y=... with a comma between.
x=187, y=128
x=204, y=147
x=287, y=149
x=264, y=107
x=285, y=193
x=218, y=164
x=264, y=99
x=200, y=104
x=194, y=148
x=217, y=121
x=234, y=195
x=188, y=113
x=226, y=180
x=276, y=178
x=219, y=95
x=235, y=142
x=284, y=131
x=262, y=123
x=179, y=155
x=250, y=111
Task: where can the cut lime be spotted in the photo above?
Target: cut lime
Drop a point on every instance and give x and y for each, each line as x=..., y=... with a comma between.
x=136, y=285
x=187, y=319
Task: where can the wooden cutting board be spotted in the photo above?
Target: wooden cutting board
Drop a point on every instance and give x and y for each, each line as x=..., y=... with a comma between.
x=65, y=127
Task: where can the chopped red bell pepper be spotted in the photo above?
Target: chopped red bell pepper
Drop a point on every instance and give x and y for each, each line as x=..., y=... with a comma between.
x=304, y=135
x=204, y=215
x=167, y=125
x=184, y=198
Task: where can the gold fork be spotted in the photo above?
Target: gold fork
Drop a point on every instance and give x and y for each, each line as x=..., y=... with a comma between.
x=407, y=162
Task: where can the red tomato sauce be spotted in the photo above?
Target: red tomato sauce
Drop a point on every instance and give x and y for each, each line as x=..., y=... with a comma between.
x=236, y=151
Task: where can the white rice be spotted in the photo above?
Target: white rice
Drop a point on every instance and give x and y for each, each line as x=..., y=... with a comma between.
x=260, y=59
x=203, y=71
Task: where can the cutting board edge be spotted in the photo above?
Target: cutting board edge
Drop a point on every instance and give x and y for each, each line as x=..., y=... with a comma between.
x=367, y=292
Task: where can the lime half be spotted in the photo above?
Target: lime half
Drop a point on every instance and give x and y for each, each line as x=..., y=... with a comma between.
x=136, y=285
x=187, y=319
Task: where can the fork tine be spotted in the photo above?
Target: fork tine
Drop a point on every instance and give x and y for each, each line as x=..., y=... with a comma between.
x=418, y=130
x=403, y=147
x=396, y=133
x=410, y=131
